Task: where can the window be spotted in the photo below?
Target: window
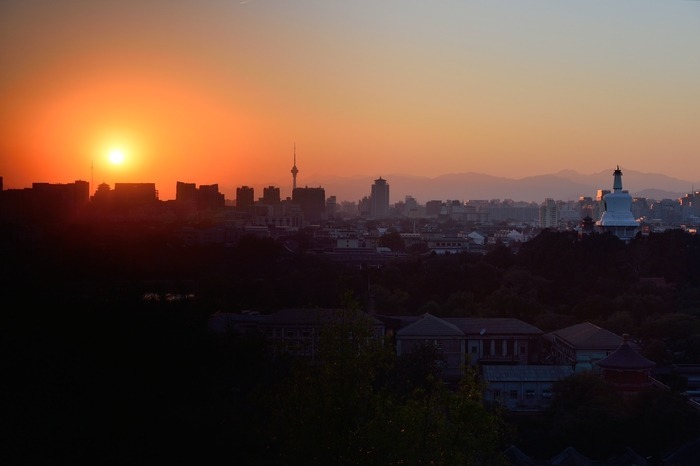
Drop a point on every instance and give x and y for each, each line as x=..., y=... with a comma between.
x=496, y=394
x=474, y=349
x=546, y=394
x=530, y=394
x=513, y=394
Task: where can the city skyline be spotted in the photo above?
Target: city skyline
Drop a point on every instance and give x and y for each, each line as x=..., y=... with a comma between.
x=567, y=185
x=228, y=93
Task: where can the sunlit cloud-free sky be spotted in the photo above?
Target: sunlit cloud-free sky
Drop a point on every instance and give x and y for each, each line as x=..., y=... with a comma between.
x=216, y=91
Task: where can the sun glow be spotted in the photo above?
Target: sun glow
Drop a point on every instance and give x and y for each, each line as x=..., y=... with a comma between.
x=116, y=156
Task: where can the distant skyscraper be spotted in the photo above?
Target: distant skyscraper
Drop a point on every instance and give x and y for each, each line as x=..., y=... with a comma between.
x=617, y=217
x=312, y=202
x=379, y=199
x=331, y=206
x=44, y=202
x=549, y=214
x=133, y=194
x=364, y=207
x=186, y=193
x=209, y=197
x=271, y=195
x=690, y=206
x=295, y=170
x=245, y=196
x=411, y=205
x=433, y=208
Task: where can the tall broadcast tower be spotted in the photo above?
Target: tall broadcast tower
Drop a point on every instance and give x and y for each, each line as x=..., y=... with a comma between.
x=295, y=170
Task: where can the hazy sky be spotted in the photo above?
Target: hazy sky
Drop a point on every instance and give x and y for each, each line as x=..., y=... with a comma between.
x=215, y=91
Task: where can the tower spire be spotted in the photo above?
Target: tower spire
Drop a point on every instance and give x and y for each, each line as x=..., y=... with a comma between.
x=617, y=180
x=295, y=170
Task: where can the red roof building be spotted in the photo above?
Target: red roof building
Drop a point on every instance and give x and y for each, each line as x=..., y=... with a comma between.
x=626, y=369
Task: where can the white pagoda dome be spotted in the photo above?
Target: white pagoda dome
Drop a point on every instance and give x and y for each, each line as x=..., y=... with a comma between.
x=617, y=215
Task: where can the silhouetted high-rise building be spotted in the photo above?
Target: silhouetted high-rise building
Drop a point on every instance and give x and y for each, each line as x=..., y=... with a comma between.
x=433, y=208
x=331, y=206
x=245, y=197
x=129, y=195
x=411, y=209
x=209, y=197
x=379, y=199
x=364, y=207
x=312, y=202
x=271, y=195
x=186, y=194
x=45, y=202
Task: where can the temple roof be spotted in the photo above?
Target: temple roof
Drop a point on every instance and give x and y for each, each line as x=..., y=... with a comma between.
x=625, y=358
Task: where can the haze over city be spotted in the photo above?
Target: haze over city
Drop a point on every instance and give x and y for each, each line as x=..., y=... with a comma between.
x=222, y=92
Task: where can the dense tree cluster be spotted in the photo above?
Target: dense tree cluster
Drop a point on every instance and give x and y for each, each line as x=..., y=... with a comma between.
x=362, y=405
x=589, y=415
x=104, y=326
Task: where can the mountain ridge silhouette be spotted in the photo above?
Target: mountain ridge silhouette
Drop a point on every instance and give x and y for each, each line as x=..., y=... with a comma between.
x=564, y=185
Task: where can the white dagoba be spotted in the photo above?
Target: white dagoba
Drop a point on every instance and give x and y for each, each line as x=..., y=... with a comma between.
x=617, y=215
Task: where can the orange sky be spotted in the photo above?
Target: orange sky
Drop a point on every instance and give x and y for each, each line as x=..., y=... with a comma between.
x=220, y=92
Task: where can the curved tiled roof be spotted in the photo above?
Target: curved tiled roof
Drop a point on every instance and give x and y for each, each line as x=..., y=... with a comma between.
x=625, y=358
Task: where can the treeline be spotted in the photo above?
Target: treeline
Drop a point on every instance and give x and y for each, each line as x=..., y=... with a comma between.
x=649, y=288
x=143, y=382
x=98, y=373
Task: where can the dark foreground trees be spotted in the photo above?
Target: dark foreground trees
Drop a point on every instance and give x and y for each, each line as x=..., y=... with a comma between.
x=351, y=409
x=591, y=416
x=96, y=375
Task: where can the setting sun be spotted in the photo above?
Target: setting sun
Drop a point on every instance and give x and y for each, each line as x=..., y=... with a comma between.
x=116, y=156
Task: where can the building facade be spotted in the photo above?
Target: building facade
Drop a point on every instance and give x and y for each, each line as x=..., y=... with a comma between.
x=580, y=346
x=549, y=214
x=379, y=199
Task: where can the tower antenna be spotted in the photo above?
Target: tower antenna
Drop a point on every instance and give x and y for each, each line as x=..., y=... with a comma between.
x=295, y=170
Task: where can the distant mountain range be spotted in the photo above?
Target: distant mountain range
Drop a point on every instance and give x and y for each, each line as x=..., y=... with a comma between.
x=564, y=185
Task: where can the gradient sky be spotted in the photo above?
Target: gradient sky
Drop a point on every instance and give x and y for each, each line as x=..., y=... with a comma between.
x=216, y=91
